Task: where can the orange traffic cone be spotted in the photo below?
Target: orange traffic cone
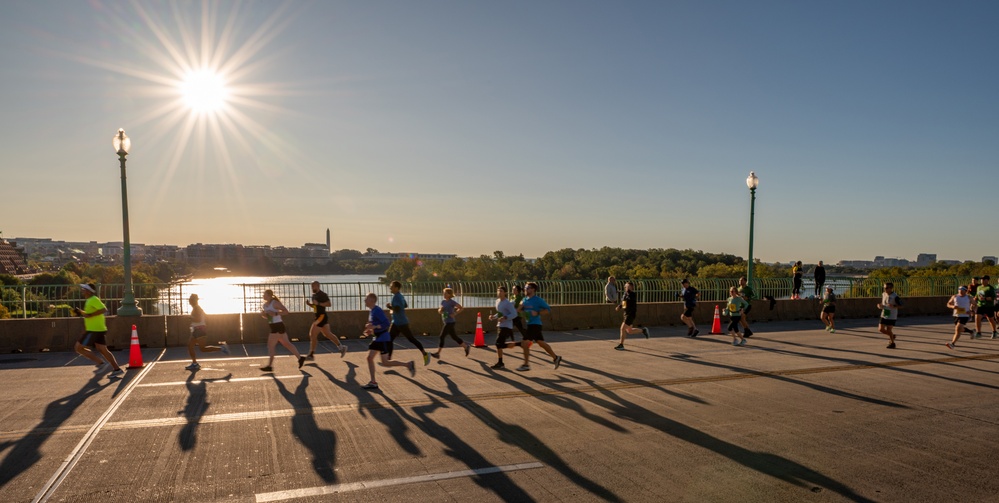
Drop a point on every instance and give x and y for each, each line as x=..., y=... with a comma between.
x=716, y=326
x=135, y=353
x=480, y=340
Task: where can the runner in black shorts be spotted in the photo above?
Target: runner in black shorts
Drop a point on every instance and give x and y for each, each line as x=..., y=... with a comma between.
x=629, y=301
x=534, y=306
x=747, y=294
x=382, y=344
x=272, y=311
x=320, y=301
x=689, y=295
x=400, y=323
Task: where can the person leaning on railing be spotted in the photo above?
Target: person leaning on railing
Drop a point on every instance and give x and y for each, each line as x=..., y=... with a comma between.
x=610, y=291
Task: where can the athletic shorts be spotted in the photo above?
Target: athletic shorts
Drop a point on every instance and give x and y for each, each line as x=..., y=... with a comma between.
x=733, y=326
x=887, y=322
x=960, y=320
x=199, y=332
x=629, y=319
x=90, y=339
x=277, y=328
x=987, y=311
x=829, y=309
x=534, y=333
x=504, y=334
x=383, y=347
x=322, y=320
x=688, y=312
x=747, y=309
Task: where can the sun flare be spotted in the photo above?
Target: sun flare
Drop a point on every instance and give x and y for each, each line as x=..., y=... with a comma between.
x=204, y=91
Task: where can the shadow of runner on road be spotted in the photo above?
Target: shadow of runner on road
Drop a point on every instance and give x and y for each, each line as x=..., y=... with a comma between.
x=321, y=443
x=518, y=436
x=764, y=375
x=366, y=404
x=194, y=409
x=25, y=451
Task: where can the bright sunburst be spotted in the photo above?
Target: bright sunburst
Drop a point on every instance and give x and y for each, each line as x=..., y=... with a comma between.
x=204, y=91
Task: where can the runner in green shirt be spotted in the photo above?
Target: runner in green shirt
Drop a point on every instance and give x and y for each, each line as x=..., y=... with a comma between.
x=747, y=294
x=985, y=300
x=95, y=330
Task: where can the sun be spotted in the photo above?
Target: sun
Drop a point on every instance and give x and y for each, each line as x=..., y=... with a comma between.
x=204, y=91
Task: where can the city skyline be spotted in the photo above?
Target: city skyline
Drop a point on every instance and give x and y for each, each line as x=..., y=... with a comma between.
x=518, y=127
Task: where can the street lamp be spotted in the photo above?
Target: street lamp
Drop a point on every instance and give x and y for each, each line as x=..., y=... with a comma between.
x=752, y=182
x=128, y=307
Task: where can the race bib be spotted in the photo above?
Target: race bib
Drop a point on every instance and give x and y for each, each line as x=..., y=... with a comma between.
x=960, y=310
x=732, y=308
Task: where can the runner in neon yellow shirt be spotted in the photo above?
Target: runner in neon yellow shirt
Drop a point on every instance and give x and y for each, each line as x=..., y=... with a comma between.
x=96, y=329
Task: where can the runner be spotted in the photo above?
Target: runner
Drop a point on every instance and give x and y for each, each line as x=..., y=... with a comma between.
x=985, y=298
x=377, y=326
x=199, y=334
x=889, y=313
x=734, y=309
x=319, y=302
x=747, y=294
x=534, y=306
x=690, y=296
x=796, y=279
x=400, y=324
x=820, y=278
x=95, y=330
x=518, y=322
x=829, y=310
x=961, y=304
x=629, y=300
x=504, y=316
x=449, y=308
x=272, y=311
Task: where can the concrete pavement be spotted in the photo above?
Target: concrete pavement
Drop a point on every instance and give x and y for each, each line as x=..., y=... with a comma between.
x=796, y=415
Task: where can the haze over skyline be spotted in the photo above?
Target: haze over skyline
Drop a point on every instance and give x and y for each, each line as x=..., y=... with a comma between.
x=458, y=127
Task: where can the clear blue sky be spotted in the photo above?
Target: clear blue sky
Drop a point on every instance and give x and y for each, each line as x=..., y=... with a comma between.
x=522, y=126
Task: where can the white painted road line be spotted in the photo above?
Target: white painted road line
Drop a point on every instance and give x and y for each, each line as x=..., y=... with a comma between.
x=219, y=381
x=70, y=462
x=357, y=486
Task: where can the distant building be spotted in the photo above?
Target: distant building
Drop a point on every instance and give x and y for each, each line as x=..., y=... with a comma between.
x=389, y=257
x=12, y=258
x=925, y=259
x=988, y=258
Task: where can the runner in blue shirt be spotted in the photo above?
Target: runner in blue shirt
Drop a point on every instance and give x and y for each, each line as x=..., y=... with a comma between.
x=378, y=325
x=534, y=306
x=400, y=324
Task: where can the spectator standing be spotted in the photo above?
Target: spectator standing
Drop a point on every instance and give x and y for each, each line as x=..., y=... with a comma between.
x=610, y=291
x=820, y=278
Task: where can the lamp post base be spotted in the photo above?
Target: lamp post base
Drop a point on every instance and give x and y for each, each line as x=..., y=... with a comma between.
x=129, y=307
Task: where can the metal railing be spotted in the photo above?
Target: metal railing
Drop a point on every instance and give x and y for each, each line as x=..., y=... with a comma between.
x=31, y=301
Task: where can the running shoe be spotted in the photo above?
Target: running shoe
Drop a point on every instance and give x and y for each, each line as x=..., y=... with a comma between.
x=370, y=385
x=426, y=359
x=619, y=347
x=497, y=366
x=748, y=333
x=832, y=330
x=101, y=368
x=558, y=361
x=224, y=347
x=301, y=361
x=696, y=331
x=735, y=342
x=343, y=349
x=646, y=332
x=976, y=335
x=266, y=369
x=436, y=355
x=891, y=345
x=995, y=335
x=116, y=373
x=468, y=348
x=524, y=368
x=193, y=366
x=949, y=345
x=412, y=368
x=742, y=341
x=310, y=357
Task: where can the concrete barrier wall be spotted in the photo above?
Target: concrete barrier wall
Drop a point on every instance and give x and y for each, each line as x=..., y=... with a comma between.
x=60, y=334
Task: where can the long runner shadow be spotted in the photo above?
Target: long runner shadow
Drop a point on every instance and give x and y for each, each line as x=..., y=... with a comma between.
x=26, y=451
x=321, y=443
x=195, y=409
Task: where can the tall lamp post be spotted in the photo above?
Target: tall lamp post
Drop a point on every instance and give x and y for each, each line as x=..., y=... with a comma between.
x=128, y=306
x=752, y=182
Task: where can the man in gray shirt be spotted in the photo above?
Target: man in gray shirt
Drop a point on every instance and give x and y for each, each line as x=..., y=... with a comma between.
x=610, y=291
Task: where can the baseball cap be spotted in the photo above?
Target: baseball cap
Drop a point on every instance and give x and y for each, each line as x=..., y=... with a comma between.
x=829, y=287
x=963, y=288
x=89, y=287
